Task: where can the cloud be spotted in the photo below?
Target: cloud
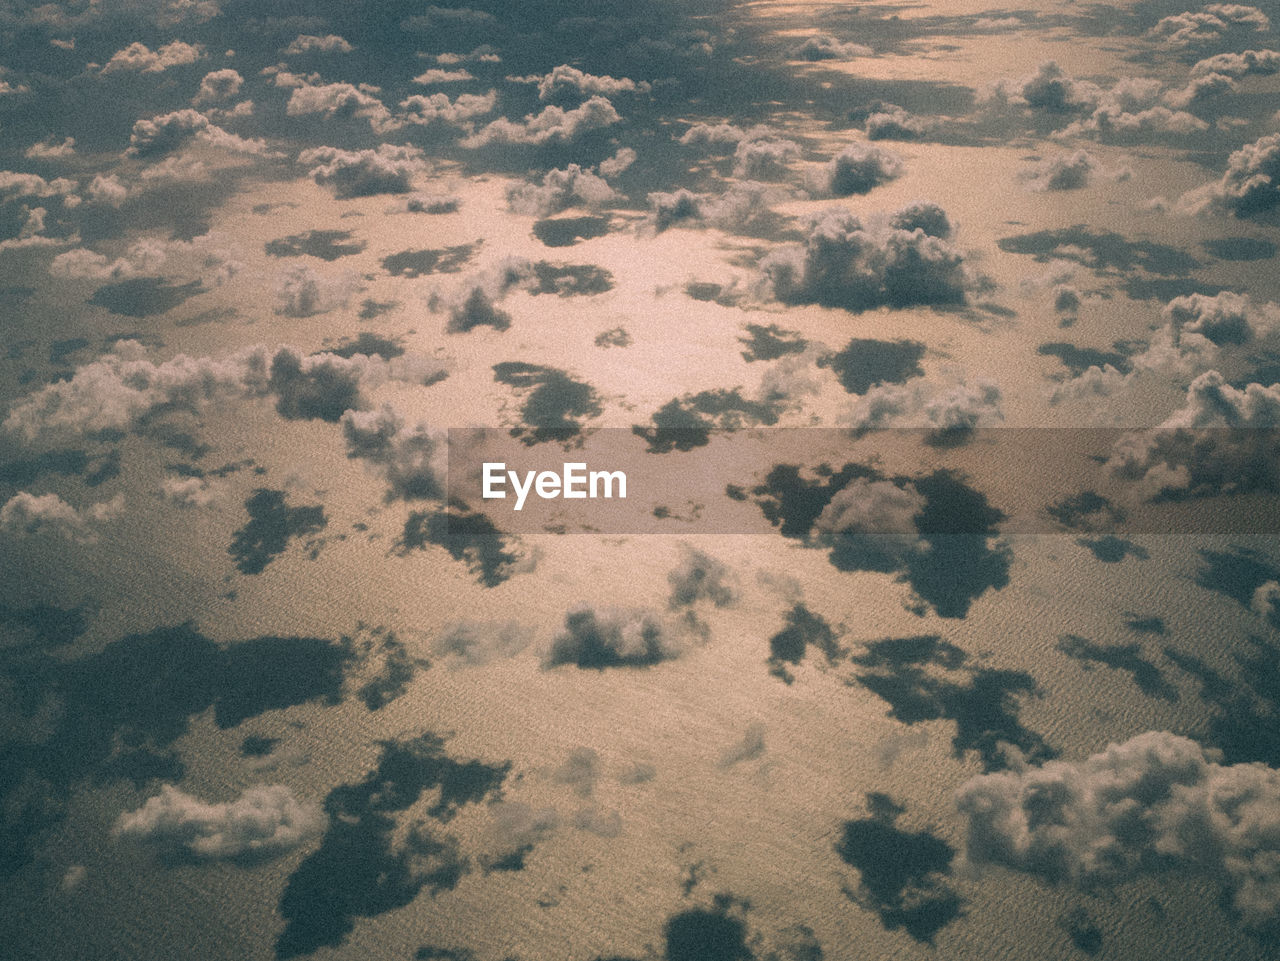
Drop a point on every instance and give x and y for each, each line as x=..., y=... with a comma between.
x=553, y=125
x=363, y=173
x=1150, y=803
x=857, y=169
x=764, y=158
x=1251, y=183
x=189, y=491
x=1214, y=22
x=160, y=136
x=436, y=75
x=412, y=458
x=139, y=58
x=309, y=43
x=338, y=100
x=1063, y=172
x=751, y=747
x=738, y=208
x=559, y=190
x=846, y=262
x=600, y=639
x=1222, y=440
x=218, y=86
x=48, y=150
x=823, y=46
x=1047, y=89
x=474, y=643
x=303, y=292
x=719, y=134
x=48, y=515
x=15, y=185
x=891, y=122
x=566, y=80
x=1246, y=63
x=422, y=110
x=264, y=821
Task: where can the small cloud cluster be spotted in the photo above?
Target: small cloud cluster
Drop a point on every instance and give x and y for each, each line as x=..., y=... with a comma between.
x=1214, y=22
x=139, y=58
x=1251, y=184
x=1153, y=802
x=823, y=46
x=218, y=86
x=738, y=208
x=950, y=412
x=264, y=821
x=764, y=157
x=873, y=521
x=891, y=122
x=566, y=80
x=48, y=515
x=1071, y=171
x=411, y=457
x=388, y=169
x=423, y=110
x=857, y=169
x=188, y=491
x=574, y=186
x=901, y=260
x=309, y=43
x=303, y=292
x=553, y=125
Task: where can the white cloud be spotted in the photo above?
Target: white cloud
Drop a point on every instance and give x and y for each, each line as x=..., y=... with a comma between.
x=436, y=75
x=139, y=58
x=218, y=86
x=49, y=150
x=362, y=173
x=264, y=821
x=553, y=124
x=309, y=43
x=48, y=515
x=1153, y=802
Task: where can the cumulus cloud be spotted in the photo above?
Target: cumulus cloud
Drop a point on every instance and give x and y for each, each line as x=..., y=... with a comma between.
x=48, y=515
x=872, y=520
x=1150, y=803
x=1211, y=23
x=891, y=122
x=49, y=150
x=559, y=190
x=362, y=173
x=436, y=75
x=742, y=205
x=337, y=100
x=421, y=110
x=309, y=43
x=845, y=262
x=157, y=137
x=15, y=185
x=566, y=80
x=474, y=643
x=1245, y=63
x=857, y=169
x=553, y=125
x=218, y=86
x=823, y=46
x=1222, y=440
x=950, y=411
x=1047, y=89
x=411, y=457
x=303, y=292
x=1251, y=184
x=722, y=134
x=139, y=58
x=1063, y=172
x=764, y=157
x=700, y=577
x=266, y=820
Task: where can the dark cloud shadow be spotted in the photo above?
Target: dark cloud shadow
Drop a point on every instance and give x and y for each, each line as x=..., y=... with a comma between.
x=272, y=524
x=325, y=244
x=567, y=231
x=467, y=536
x=1120, y=657
x=144, y=296
x=863, y=363
x=418, y=263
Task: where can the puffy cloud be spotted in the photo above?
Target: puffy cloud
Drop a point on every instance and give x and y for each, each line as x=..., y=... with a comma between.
x=1222, y=440
x=857, y=169
x=158, y=136
x=1266, y=602
x=554, y=124
x=48, y=515
x=847, y=263
x=1136, y=105
x=559, y=190
x=436, y=75
x=707, y=134
x=1200, y=87
x=603, y=639
x=15, y=184
x=422, y=110
x=309, y=43
x=1245, y=63
x=217, y=86
x=872, y=520
x=565, y=80
x=1226, y=318
x=339, y=100
x=623, y=158
x=823, y=46
x=474, y=643
x=48, y=150
x=1047, y=89
x=264, y=821
x=738, y=207
x=411, y=457
x=1214, y=22
x=1251, y=183
x=362, y=173
x=108, y=189
x=1063, y=172
x=891, y=122
x=764, y=157
x=948, y=411
x=139, y=58
x=1153, y=802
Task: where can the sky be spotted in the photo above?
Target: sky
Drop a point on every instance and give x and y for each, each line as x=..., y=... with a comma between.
x=939, y=344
